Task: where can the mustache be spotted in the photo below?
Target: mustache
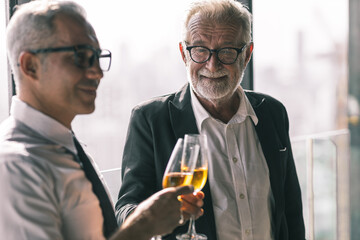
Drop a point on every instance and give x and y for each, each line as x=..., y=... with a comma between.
x=217, y=74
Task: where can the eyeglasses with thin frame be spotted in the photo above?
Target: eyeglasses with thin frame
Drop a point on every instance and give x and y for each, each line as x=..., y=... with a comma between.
x=226, y=55
x=85, y=55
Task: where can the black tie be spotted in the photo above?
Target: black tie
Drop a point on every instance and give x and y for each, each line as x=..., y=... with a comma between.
x=110, y=224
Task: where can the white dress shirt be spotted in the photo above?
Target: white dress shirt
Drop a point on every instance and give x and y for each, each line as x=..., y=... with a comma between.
x=238, y=174
x=44, y=192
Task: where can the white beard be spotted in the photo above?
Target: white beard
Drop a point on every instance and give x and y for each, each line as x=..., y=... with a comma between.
x=214, y=90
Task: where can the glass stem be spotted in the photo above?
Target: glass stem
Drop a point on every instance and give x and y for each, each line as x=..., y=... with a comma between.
x=191, y=231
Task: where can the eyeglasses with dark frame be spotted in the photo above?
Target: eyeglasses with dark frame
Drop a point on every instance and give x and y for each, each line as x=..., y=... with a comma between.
x=85, y=55
x=226, y=55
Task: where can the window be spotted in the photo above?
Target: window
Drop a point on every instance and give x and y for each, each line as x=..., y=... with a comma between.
x=300, y=57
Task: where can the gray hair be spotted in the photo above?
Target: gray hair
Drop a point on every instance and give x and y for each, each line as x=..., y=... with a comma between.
x=32, y=26
x=221, y=11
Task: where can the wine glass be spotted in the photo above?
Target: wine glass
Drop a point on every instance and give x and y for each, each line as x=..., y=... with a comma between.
x=180, y=168
x=198, y=180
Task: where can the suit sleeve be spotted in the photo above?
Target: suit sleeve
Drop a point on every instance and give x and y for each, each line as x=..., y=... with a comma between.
x=292, y=192
x=138, y=168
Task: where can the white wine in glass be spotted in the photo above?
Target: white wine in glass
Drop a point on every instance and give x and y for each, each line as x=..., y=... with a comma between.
x=179, y=170
x=198, y=180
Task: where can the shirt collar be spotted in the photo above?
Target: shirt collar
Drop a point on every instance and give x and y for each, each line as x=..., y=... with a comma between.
x=43, y=124
x=245, y=109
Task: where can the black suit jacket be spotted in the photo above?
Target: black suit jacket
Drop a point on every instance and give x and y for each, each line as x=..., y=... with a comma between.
x=154, y=129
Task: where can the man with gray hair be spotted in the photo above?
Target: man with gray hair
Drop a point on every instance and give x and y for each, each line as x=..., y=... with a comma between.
x=252, y=190
x=49, y=186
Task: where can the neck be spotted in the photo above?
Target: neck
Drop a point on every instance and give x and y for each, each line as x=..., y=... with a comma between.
x=60, y=116
x=222, y=109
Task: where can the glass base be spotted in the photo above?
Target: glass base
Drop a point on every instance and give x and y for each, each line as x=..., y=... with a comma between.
x=186, y=236
x=157, y=237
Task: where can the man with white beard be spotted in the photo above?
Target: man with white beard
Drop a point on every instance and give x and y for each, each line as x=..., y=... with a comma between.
x=252, y=190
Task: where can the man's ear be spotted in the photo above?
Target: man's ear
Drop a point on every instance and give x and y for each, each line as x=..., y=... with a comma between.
x=182, y=51
x=29, y=64
x=249, y=50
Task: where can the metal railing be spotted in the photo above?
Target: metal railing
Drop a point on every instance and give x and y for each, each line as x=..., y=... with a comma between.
x=113, y=181
x=322, y=161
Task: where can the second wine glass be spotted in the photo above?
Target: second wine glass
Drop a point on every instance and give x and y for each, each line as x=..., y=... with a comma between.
x=180, y=167
x=198, y=180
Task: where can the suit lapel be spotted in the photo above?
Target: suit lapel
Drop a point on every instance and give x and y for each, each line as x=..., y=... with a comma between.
x=270, y=145
x=181, y=113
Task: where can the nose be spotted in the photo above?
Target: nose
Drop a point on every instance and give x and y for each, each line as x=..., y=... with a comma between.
x=213, y=64
x=95, y=72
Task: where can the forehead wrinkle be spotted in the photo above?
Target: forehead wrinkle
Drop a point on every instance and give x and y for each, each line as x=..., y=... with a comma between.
x=202, y=30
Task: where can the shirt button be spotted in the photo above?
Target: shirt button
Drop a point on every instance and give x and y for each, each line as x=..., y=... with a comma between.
x=247, y=231
x=242, y=196
x=234, y=159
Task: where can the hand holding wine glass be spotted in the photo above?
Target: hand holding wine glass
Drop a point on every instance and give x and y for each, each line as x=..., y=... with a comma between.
x=158, y=214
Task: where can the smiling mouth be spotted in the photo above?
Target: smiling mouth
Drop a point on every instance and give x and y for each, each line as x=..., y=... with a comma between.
x=215, y=78
x=89, y=91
